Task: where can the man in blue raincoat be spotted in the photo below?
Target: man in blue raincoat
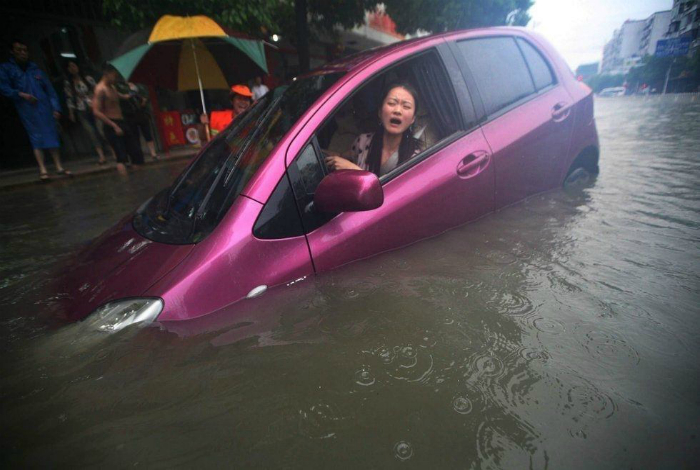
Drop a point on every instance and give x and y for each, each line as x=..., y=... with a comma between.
x=29, y=89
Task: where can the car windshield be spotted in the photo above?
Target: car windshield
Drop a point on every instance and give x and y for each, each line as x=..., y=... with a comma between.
x=197, y=201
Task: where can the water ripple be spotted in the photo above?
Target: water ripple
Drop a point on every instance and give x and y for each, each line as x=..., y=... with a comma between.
x=403, y=450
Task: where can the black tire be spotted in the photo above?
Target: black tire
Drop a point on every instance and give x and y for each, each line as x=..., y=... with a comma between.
x=578, y=177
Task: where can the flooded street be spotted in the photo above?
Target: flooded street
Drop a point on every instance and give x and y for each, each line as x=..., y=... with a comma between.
x=562, y=332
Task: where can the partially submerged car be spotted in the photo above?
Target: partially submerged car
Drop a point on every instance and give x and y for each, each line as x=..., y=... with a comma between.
x=501, y=118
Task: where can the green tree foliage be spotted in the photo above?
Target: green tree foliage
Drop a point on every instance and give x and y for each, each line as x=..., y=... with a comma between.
x=684, y=73
x=445, y=15
x=253, y=17
x=652, y=73
x=263, y=17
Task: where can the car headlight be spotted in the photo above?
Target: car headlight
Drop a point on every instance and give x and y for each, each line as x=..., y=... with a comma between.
x=119, y=314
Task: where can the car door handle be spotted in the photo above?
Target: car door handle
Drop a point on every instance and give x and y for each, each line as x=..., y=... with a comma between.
x=561, y=111
x=473, y=164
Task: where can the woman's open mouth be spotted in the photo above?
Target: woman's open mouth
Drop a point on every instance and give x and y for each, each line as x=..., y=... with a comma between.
x=395, y=121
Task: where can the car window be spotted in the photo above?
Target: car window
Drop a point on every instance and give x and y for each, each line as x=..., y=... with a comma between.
x=305, y=173
x=437, y=119
x=540, y=70
x=279, y=218
x=194, y=205
x=290, y=211
x=356, y=121
x=500, y=72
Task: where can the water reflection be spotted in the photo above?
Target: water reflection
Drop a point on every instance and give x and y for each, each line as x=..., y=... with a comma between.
x=551, y=334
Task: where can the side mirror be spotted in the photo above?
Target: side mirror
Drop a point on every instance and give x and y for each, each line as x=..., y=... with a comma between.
x=349, y=191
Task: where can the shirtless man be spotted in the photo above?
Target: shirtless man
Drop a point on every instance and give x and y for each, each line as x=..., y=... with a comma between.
x=119, y=133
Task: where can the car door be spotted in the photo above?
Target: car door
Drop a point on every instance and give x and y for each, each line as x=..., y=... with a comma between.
x=448, y=184
x=527, y=113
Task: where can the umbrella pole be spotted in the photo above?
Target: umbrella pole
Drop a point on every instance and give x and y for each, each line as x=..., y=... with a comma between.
x=201, y=91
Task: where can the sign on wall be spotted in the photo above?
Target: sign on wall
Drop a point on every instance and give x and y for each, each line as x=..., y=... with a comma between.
x=673, y=47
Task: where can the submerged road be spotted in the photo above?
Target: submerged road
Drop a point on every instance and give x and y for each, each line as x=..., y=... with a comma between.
x=562, y=332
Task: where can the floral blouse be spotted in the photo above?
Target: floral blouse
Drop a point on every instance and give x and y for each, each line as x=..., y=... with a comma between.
x=80, y=96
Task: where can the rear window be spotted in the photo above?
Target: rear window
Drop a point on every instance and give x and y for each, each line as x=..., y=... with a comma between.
x=195, y=204
x=501, y=75
x=541, y=72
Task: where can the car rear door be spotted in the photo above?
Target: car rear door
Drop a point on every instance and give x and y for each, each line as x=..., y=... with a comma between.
x=527, y=113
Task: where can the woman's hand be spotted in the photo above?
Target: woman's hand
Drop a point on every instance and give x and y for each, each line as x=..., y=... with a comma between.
x=334, y=162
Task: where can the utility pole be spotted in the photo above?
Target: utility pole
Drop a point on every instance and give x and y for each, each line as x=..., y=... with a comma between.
x=668, y=73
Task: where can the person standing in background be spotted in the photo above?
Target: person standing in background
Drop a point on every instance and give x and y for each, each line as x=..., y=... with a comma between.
x=259, y=89
x=37, y=104
x=78, y=89
x=118, y=131
x=240, y=97
x=141, y=117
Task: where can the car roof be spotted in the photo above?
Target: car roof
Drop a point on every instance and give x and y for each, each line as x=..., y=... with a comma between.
x=363, y=58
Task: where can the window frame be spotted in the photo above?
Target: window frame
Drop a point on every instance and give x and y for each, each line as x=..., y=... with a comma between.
x=555, y=80
x=471, y=81
x=467, y=120
x=465, y=106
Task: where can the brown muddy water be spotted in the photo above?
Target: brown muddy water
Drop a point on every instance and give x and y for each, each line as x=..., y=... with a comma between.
x=563, y=332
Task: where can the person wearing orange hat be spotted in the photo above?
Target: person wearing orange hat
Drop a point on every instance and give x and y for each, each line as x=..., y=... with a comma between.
x=241, y=98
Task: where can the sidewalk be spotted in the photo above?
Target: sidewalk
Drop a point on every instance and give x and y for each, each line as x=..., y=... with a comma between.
x=30, y=176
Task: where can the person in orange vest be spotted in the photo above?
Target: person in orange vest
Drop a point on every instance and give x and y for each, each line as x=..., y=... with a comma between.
x=241, y=98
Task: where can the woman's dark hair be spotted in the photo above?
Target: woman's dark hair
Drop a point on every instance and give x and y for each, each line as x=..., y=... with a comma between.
x=82, y=76
x=408, y=146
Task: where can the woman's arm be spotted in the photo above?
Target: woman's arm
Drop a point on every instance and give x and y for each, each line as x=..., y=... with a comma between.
x=334, y=162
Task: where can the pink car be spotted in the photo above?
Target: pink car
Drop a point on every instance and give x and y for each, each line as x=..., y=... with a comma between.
x=484, y=118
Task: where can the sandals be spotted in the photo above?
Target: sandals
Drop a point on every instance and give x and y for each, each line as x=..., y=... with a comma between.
x=44, y=177
x=65, y=172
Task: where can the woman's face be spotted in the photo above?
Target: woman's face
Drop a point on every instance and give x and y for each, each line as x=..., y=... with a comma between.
x=398, y=111
x=240, y=103
x=72, y=68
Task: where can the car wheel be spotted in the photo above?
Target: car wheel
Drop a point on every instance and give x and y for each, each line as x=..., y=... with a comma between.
x=577, y=178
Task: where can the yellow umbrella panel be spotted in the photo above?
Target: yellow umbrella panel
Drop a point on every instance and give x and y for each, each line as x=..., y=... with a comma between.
x=171, y=27
x=211, y=75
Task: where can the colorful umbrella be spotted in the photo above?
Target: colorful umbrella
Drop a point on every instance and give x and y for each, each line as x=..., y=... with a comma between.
x=192, y=53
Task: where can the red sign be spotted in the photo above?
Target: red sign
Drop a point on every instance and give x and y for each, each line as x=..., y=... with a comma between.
x=171, y=126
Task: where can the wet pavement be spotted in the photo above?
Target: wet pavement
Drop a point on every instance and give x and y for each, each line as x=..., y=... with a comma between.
x=13, y=179
x=561, y=332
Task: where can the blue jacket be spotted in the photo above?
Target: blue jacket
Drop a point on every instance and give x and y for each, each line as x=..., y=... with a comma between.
x=37, y=117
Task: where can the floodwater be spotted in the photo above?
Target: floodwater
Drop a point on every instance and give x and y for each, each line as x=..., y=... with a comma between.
x=562, y=332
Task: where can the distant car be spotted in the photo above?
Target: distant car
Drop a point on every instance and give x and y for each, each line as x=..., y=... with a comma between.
x=501, y=117
x=612, y=91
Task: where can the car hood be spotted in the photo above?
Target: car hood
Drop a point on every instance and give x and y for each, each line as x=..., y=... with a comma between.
x=118, y=264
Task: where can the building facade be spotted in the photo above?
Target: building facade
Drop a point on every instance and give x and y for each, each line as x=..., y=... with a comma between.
x=624, y=45
x=634, y=40
x=685, y=22
x=655, y=28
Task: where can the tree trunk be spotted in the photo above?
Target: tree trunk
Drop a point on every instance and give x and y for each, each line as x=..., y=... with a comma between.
x=302, y=35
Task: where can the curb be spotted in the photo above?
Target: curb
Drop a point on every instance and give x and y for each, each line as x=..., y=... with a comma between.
x=93, y=170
